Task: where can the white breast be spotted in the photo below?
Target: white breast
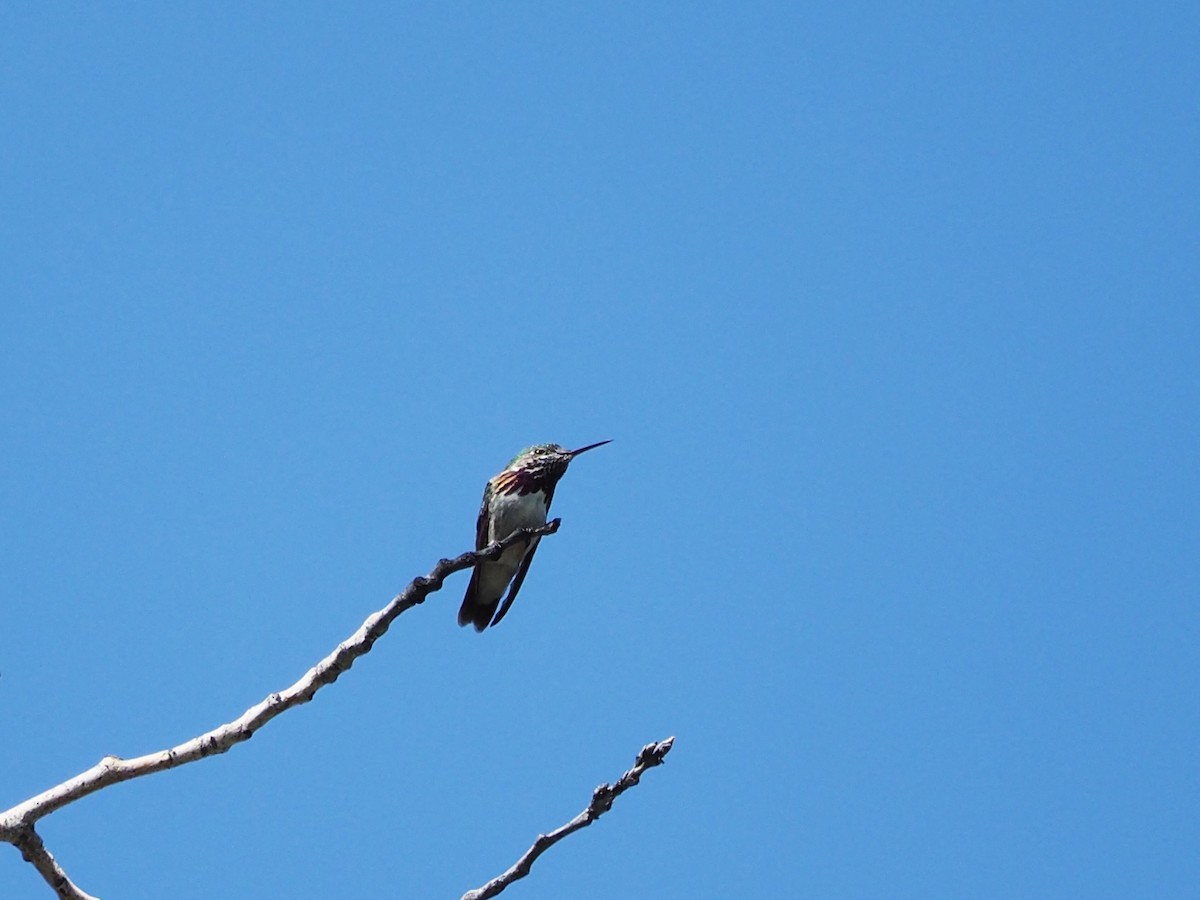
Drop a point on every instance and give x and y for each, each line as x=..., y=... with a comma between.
x=514, y=511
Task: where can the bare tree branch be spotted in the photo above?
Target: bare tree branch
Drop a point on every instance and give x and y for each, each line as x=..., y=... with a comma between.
x=602, y=801
x=34, y=851
x=16, y=824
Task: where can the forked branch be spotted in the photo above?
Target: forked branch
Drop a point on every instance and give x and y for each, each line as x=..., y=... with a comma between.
x=16, y=824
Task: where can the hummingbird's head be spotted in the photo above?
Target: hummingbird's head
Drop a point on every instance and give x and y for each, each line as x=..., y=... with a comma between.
x=549, y=456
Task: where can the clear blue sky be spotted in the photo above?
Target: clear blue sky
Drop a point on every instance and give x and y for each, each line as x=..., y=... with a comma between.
x=891, y=312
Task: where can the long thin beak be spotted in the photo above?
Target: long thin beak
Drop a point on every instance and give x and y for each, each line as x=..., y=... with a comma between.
x=575, y=453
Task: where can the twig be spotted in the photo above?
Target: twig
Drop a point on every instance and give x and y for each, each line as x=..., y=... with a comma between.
x=35, y=852
x=16, y=824
x=602, y=801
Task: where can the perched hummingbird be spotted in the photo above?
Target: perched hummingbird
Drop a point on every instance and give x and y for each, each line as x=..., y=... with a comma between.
x=519, y=497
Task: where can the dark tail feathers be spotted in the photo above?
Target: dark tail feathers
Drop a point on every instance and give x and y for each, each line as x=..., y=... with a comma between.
x=478, y=613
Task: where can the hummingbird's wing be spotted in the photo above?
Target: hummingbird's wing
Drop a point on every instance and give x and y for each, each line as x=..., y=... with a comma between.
x=474, y=609
x=481, y=524
x=518, y=579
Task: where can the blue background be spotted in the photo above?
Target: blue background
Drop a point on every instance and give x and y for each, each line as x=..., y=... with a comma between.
x=891, y=312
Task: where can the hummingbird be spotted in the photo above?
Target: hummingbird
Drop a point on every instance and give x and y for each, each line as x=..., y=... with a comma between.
x=519, y=497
